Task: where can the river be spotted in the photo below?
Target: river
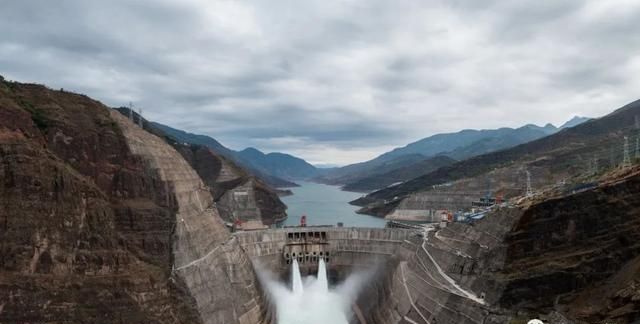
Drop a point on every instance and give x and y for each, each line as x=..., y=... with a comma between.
x=326, y=205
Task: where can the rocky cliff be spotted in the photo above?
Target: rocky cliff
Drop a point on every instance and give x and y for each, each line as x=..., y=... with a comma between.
x=238, y=194
x=86, y=231
x=579, y=254
x=569, y=259
x=104, y=222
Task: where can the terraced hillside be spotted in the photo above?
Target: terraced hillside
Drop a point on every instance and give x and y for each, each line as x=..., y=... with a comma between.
x=105, y=222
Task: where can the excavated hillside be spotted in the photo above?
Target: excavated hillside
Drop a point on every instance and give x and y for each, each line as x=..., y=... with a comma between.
x=579, y=254
x=239, y=194
x=104, y=222
x=86, y=232
x=574, y=257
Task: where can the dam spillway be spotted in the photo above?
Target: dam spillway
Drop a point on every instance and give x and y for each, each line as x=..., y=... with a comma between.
x=308, y=300
x=403, y=279
x=343, y=249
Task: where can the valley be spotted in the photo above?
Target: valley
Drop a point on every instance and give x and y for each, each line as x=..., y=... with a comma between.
x=319, y=162
x=185, y=230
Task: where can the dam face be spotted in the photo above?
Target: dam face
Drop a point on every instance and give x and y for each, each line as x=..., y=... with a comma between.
x=371, y=252
x=344, y=249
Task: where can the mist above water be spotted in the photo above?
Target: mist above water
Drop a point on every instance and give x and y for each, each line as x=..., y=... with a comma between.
x=310, y=300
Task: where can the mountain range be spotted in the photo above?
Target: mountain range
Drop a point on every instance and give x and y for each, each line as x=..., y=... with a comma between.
x=277, y=169
x=567, y=152
x=415, y=159
x=399, y=165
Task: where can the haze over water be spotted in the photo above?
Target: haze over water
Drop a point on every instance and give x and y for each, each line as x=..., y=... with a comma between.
x=326, y=205
x=311, y=300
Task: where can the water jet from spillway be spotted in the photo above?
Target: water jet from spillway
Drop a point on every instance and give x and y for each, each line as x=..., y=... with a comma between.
x=323, y=282
x=310, y=300
x=296, y=278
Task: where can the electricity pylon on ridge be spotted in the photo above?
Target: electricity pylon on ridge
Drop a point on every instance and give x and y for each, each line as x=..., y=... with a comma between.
x=130, y=111
x=140, y=117
x=627, y=158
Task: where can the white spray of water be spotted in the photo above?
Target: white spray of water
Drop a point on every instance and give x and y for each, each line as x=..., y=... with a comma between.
x=296, y=279
x=311, y=300
x=323, y=282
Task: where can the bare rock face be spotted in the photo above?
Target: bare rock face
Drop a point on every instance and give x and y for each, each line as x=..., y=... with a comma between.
x=239, y=195
x=569, y=259
x=103, y=222
x=579, y=254
x=86, y=235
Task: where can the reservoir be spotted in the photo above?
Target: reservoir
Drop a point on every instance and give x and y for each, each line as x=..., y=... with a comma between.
x=325, y=205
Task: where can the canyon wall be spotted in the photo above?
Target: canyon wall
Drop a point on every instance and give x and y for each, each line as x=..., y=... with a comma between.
x=86, y=229
x=104, y=222
x=207, y=259
x=239, y=196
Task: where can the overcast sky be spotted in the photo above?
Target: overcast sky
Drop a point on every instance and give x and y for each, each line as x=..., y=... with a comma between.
x=331, y=81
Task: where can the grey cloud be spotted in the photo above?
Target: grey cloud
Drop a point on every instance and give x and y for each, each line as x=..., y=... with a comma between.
x=331, y=81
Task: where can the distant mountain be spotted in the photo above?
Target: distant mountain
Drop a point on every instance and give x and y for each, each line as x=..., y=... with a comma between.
x=563, y=153
x=278, y=164
x=575, y=121
x=276, y=169
x=354, y=172
x=503, y=138
x=399, y=175
x=461, y=144
x=458, y=146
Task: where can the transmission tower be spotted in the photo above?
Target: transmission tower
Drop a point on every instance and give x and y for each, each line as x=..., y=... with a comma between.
x=627, y=158
x=130, y=111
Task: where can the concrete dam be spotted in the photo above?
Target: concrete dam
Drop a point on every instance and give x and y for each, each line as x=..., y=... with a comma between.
x=404, y=282
x=218, y=268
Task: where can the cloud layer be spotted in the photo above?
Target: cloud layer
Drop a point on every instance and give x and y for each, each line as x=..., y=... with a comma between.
x=331, y=81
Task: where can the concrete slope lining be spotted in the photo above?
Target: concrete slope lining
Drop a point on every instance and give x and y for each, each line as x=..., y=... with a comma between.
x=213, y=267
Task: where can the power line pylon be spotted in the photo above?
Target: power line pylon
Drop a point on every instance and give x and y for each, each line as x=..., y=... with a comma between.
x=140, y=117
x=627, y=158
x=130, y=111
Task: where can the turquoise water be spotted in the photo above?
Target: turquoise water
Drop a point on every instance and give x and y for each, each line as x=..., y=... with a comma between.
x=326, y=205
